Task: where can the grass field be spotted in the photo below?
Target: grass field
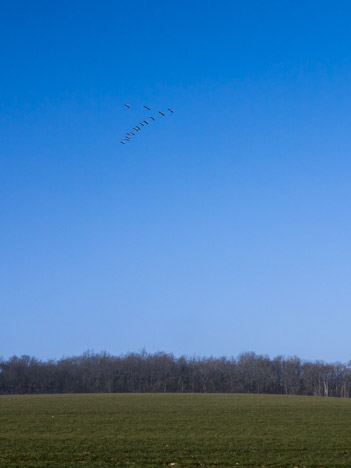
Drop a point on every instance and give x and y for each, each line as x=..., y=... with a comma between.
x=185, y=430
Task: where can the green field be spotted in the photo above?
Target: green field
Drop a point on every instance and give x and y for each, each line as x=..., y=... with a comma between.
x=189, y=430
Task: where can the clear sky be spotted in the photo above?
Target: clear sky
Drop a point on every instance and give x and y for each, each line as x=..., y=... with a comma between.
x=224, y=227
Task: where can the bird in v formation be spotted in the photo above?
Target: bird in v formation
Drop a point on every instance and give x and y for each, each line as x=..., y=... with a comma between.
x=129, y=135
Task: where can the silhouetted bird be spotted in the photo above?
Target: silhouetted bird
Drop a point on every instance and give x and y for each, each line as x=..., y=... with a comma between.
x=137, y=128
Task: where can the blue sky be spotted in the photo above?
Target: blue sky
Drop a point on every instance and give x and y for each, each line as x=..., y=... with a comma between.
x=222, y=228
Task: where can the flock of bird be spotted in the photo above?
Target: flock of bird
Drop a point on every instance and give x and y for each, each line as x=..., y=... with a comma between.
x=141, y=124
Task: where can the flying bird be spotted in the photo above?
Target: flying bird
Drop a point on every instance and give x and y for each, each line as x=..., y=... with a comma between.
x=137, y=128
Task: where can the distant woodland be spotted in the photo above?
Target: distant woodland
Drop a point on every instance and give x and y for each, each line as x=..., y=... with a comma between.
x=161, y=372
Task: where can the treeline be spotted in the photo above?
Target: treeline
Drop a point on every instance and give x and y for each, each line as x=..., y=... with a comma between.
x=161, y=372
